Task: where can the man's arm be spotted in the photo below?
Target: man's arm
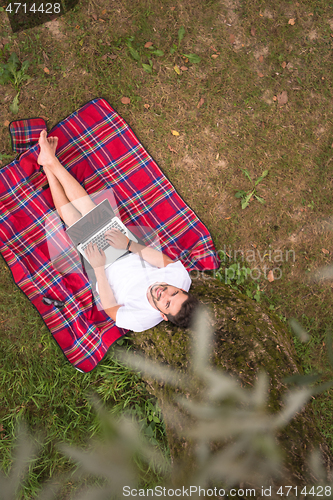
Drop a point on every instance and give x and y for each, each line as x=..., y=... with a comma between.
x=97, y=260
x=154, y=257
x=150, y=255
x=108, y=300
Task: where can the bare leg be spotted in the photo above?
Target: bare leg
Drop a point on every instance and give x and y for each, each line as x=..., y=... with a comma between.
x=73, y=190
x=65, y=209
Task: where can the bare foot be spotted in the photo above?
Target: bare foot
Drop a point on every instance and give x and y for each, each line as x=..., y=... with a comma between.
x=48, y=148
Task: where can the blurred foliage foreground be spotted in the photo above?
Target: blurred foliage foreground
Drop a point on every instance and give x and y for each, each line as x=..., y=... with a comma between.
x=223, y=433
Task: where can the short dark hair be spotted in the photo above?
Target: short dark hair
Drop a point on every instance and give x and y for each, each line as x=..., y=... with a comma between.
x=185, y=315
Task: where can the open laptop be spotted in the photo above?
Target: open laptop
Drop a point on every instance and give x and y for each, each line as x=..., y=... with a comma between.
x=91, y=228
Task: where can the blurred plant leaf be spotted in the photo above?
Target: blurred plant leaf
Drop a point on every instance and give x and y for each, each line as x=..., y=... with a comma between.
x=134, y=53
x=258, y=198
x=298, y=330
x=14, y=105
x=193, y=58
x=293, y=401
x=298, y=379
x=147, y=68
x=246, y=173
x=149, y=368
x=181, y=33
x=157, y=52
x=263, y=175
x=24, y=454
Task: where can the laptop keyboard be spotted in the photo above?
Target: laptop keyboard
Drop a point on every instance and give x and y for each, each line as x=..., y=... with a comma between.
x=99, y=238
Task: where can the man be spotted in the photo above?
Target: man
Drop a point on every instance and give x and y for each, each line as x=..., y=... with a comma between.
x=135, y=296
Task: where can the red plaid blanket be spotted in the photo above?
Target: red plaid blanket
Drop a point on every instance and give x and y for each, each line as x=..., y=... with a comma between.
x=25, y=133
x=101, y=151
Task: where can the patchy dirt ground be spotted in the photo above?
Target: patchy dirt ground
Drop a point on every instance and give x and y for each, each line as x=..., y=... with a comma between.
x=227, y=109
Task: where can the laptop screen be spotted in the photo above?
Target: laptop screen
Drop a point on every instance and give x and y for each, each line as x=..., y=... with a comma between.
x=91, y=222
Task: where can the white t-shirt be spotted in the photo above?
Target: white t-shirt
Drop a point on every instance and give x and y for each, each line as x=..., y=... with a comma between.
x=130, y=278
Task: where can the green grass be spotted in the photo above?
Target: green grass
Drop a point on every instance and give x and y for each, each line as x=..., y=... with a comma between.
x=42, y=389
x=239, y=126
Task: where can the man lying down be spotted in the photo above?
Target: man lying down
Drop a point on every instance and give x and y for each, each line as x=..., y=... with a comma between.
x=136, y=296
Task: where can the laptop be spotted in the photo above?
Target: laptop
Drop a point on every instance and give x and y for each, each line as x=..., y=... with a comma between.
x=91, y=228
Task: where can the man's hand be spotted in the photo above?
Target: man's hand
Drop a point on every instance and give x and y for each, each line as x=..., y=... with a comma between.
x=116, y=239
x=97, y=258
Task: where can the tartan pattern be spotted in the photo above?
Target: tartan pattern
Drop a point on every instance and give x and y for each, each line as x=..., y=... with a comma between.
x=101, y=151
x=25, y=133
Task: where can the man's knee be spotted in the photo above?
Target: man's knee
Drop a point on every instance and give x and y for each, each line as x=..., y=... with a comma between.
x=87, y=205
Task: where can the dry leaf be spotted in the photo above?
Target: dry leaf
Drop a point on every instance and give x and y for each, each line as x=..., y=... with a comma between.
x=284, y=64
x=148, y=44
x=172, y=150
x=104, y=58
x=253, y=31
x=6, y=123
x=146, y=106
x=103, y=12
x=44, y=117
x=94, y=16
x=217, y=156
x=174, y=132
x=113, y=56
x=260, y=74
x=212, y=47
x=183, y=68
x=232, y=38
x=261, y=58
x=325, y=251
x=46, y=70
x=46, y=57
x=101, y=20
x=291, y=21
x=282, y=98
x=270, y=276
x=227, y=218
x=274, y=98
x=172, y=8
x=200, y=103
x=125, y=100
x=214, y=56
x=42, y=106
x=177, y=70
